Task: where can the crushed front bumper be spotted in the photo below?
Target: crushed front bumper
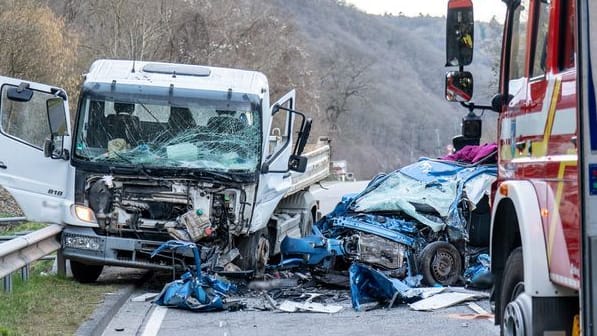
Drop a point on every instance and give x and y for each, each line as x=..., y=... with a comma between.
x=83, y=244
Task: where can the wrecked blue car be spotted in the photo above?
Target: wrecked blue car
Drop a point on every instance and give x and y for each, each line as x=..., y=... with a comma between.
x=428, y=220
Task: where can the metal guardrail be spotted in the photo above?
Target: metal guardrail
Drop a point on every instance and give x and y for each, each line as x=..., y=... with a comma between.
x=20, y=251
x=10, y=220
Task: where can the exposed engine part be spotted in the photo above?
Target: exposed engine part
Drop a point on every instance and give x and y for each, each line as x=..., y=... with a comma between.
x=151, y=207
x=195, y=226
x=372, y=249
x=100, y=199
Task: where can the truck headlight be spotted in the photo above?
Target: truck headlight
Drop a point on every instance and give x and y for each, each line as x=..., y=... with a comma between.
x=82, y=242
x=84, y=213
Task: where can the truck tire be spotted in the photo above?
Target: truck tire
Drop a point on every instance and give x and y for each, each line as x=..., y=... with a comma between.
x=254, y=251
x=512, y=287
x=307, y=225
x=440, y=263
x=85, y=273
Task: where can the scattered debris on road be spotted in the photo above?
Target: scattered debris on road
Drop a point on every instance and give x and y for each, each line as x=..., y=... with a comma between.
x=193, y=291
x=426, y=224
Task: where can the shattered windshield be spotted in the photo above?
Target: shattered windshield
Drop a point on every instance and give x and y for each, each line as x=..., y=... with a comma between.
x=131, y=125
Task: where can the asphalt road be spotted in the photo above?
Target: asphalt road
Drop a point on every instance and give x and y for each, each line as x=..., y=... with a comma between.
x=143, y=318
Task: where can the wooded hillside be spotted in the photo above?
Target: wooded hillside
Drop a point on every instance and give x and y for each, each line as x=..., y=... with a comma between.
x=373, y=83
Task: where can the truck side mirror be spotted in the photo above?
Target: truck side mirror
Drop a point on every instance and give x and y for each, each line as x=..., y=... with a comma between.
x=472, y=126
x=459, y=33
x=459, y=86
x=297, y=163
x=58, y=129
x=56, y=117
x=303, y=137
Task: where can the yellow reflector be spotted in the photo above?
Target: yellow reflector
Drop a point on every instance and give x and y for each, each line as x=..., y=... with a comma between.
x=576, y=326
x=544, y=212
x=504, y=189
x=84, y=213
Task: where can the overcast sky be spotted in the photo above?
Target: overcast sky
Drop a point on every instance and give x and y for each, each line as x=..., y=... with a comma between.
x=484, y=9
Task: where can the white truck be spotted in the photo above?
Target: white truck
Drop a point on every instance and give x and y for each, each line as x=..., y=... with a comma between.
x=160, y=150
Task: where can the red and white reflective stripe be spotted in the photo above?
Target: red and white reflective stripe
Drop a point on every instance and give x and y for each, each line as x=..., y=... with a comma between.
x=569, y=282
x=535, y=123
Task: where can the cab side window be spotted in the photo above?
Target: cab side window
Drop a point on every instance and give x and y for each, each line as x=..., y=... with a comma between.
x=26, y=121
x=567, y=22
x=519, y=40
x=539, y=56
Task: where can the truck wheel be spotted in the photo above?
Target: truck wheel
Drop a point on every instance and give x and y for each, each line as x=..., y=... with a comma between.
x=440, y=263
x=254, y=251
x=85, y=273
x=513, y=310
x=307, y=225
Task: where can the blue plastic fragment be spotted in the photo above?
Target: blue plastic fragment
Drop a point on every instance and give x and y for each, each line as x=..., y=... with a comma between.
x=311, y=250
x=479, y=274
x=370, y=285
x=193, y=291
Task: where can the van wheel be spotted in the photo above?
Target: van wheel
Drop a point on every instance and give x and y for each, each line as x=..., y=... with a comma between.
x=85, y=273
x=440, y=263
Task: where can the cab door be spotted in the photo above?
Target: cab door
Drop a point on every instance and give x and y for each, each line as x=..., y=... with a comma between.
x=275, y=180
x=42, y=186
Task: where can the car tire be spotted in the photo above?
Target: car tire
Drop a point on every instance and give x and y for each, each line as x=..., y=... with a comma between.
x=440, y=263
x=85, y=273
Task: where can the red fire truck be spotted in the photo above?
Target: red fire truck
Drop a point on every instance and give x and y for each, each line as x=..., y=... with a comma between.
x=544, y=204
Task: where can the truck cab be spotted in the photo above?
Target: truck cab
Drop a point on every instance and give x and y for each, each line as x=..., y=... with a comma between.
x=156, y=151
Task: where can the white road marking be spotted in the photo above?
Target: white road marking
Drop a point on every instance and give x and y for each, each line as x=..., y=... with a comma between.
x=155, y=321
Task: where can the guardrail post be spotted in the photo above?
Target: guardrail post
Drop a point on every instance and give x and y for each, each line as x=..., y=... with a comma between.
x=60, y=263
x=25, y=272
x=7, y=283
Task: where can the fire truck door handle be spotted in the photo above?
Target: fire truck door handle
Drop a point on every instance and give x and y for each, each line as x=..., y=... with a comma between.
x=2, y=165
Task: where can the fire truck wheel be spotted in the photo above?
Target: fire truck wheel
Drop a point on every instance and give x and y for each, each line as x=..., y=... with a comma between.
x=85, y=273
x=512, y=287
x=440, y=263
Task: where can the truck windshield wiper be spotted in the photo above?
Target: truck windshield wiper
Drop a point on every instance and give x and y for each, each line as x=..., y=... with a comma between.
x=215, y=175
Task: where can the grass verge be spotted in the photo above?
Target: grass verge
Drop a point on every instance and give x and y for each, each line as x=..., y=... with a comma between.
x=47, y=304
x=9, y=229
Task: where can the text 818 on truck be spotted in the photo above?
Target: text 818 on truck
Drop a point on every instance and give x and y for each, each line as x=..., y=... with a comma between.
x=161, y=151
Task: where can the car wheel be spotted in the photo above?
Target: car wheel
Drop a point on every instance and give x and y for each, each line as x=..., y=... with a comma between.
x=440, y=263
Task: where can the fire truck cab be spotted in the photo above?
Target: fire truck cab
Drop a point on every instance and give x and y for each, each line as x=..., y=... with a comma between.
x=536, y=214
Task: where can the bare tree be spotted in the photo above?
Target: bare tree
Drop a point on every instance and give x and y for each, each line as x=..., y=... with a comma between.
x=37, y=46
x=345, y=82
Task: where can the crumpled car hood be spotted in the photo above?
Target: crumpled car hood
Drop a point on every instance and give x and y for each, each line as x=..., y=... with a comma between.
x=424, y=187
